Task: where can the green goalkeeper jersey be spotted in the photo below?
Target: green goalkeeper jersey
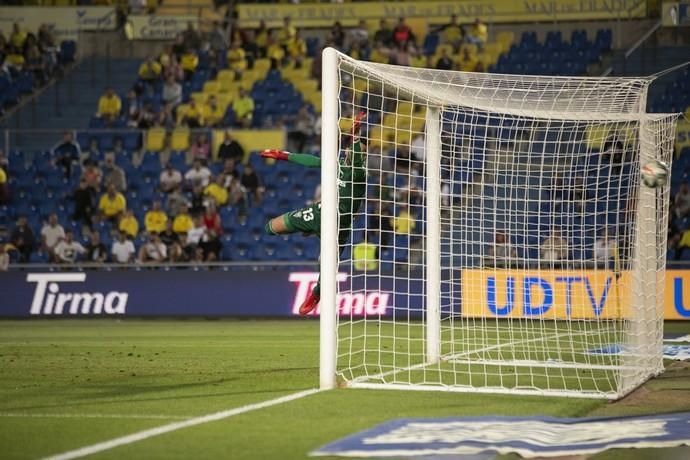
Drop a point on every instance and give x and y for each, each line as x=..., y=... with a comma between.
x=352, y=185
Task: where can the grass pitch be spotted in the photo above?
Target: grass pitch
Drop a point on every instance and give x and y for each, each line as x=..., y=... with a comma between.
x=66, y=384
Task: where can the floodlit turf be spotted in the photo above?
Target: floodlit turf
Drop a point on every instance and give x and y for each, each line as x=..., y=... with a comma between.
x=102, y=379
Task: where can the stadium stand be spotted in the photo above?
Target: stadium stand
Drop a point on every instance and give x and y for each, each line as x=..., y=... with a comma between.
x=280, y=78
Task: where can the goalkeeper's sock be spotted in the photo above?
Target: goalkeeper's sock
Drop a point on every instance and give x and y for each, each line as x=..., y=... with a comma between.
x=309, y=304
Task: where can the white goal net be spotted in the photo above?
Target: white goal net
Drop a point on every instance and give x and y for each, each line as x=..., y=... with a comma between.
x=504, y=243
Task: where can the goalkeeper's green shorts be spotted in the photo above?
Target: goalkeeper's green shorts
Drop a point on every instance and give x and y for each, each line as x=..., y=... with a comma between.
x=304, y=220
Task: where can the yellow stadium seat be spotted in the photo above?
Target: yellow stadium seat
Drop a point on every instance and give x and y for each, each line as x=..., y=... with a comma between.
x=180, y=139
x=505, y=39
x=225, y=74
x=224, y=100
x=155, y=139
x=212, y=86
x=262, y=65
x=345, y=124
x=441, y=47
x=405, y=108
x=199, y=98
x=229, y=86
x=305, y=86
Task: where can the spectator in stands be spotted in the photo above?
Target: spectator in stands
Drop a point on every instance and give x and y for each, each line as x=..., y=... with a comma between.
x=384, y=35
x=164, y=118
x=67, y=152
x=155, y=220
x=123, y=249
x=15, y=61
x=96, y=251
x=554, y=248
x=147, y=116
x=477, y=34
x=191, y=38
x=216, y=191
x=4, y=257
x=183, y=221
x=402, y=159
x=67, y=250
x=18, y=36
x=237, y=59
x=252, y=184
x=170, y=178
x=128, y=224
x=150, y=72
x=404, y=223
x=261, y=35
x=365, y=255
x=451, y=33
x=48, y=47
x=303, y=130
x=168, y=235
x=92, y=175
x=197, y=230
x=468, y=61
x=297, y=50
x=400, y=55
x=378, y=225
x=23, y=238
x=230, y=149
x=214, y=113
x=444, y=61
x=217, y=38
x=34, y=61
x=402, y=34
x=179, y=251
x=243, y=107
x=211, y=219
x=112, y=204
x=109, y=106
x=337, y=35
x=501, y=253
x=174, y=69
x=201, y=148
x=194, y=115
x=83, y=198
x=172, y=91
x=189, y=62
x=51, y=234
x=275, y=53
x=132, y=109
x=175, y=201
x=605, y=247
x=359, y=35
x=198, y=176
x=286, y=32
x=681, y=203
x=4, y=187
x=113, y=174
x=154, y=251
x=236, y=193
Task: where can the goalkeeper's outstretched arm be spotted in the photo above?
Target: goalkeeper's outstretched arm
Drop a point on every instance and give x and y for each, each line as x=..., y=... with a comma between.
x=304, y=159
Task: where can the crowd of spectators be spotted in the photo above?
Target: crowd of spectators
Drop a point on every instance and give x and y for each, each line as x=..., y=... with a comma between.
x=679, y=236
x=29, y=52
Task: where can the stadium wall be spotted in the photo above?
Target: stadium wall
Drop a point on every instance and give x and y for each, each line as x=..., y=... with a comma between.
x=278, y=293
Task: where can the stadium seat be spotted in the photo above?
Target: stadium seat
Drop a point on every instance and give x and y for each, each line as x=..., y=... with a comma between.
x=155, y=139
x=179, y=140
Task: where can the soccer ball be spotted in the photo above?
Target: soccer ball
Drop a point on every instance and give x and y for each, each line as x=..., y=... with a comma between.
x=654, y=174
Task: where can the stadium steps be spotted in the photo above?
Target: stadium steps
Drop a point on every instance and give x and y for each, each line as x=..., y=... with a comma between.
x=78, y=95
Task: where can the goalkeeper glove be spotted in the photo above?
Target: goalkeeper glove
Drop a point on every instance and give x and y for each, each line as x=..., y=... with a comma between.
x=275, y=154
x=356, y=126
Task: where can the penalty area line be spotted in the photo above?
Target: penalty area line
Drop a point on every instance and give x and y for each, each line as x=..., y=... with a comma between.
x=145, y=434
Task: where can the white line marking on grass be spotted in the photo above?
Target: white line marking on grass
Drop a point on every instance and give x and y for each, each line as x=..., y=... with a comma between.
x=135, y=416
x=141, y=435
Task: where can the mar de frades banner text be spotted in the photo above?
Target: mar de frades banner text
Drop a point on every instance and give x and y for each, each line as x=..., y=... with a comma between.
x=438, y=12
x=66, y=21
x=557, y=294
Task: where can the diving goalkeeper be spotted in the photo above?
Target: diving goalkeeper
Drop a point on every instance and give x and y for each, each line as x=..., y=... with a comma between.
x=352, y=189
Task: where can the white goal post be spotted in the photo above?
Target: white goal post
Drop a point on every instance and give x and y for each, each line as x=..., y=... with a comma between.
x=516, y=250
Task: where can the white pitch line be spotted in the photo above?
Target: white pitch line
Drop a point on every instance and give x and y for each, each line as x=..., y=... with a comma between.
x=76, y=415
x=141, y=435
